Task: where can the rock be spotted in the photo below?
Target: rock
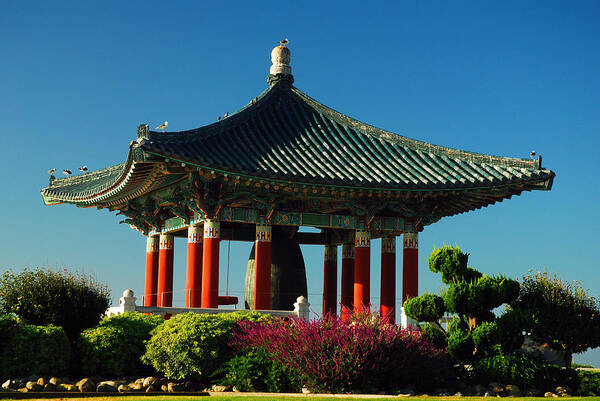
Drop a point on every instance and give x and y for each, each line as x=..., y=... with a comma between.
x=235, y=389
x=487, y=394
x=152, y=388
x=512, y=390
x=175, y=387
x=41, y=381
x=23, y=390
x=140, y=381
x=122, y=388
x=86, y=385
x=219, y=389
x=562, y=391
x=49, y=387
x=478, y=389
x=108, y=386
x=305, y=390
x=458, y=394
x=406, y=392
x=148, y=381
x=55, y=380
x=164, y=388
x=10, y=385
x=33, y=386
x=549, y=394
x=135, y=386
x=66, y=387
x=496, y=388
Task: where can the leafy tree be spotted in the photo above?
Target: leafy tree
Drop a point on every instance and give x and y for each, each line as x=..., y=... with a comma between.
x=559, y=313
x=472, y=296
x=41, y=297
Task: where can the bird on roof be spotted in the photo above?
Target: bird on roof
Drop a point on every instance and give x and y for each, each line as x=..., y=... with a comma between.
x=51, y=180
x=83, y=169
x=52, y=171
x=67, y=172
x=532, y=154
x=219, y=118
x=163, y=126
x=284, y=42
x=226, y=115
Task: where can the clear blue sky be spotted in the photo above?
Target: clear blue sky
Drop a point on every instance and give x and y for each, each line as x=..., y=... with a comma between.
x=495, y=77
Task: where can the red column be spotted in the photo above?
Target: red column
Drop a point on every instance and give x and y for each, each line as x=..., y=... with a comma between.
x=410, y=266
x=330, y=280
x=262, y=271
x=347, y=296
x=165, y=271
x=151, y=271
x=388, y=279
x=193, y=283
x=210, y=264
x=362, y=273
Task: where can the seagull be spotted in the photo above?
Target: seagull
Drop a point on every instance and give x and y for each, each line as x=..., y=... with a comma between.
x=52, y=171
x=163, y=126
x=532, y=154
x=284, y=42
x=226, y=115
x=67, y=172
x=83, y=169
x=51, y=180
x=219, y=118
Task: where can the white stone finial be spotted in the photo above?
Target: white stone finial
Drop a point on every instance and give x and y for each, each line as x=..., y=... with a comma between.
x=280, y=57
x=302, y=308
x=127, y=301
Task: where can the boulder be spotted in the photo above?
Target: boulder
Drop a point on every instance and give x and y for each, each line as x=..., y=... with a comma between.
x=562, y=391
x=478, y=389
x=140, y=381
x=218, y=389
x=512, y=390
x=458, y=394
x=305, y=390
x=406, y=392
x=549, y=394
x=55, y=380
x=175, y=387
x=66, y=387
x=148, y=381
x=164, y=388
x=86, y=385
x=33, y=386
x=108, y=386
x=122, y=388
x=42, y=381
x=496, y=388
x=49, y=387
x=135, y=386
x=10, y=385
x=152, y=388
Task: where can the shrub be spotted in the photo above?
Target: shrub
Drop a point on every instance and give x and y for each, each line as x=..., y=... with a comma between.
x=559, y=313
x=425, y=308
x=42, y=297
x=485, y=336
x=33, y=350
x=589, y=383
x=524, y=371
x=460, y=344
x=256, y=371
x=434, y=335
x=115, y=346
x=192, y=345
x=329, y=355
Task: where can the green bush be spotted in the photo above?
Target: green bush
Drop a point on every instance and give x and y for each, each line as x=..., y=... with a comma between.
x=460, y=344
x=33, y=350
x=524, y=371
x=485, y=336
x=425, y=308
x=193, y=346
x=115, y=346
x=589, y=383
x=434, y=335
x=256, y=371
x=41, y=297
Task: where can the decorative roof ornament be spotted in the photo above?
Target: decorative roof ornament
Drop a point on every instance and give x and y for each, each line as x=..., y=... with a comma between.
x=280, y=69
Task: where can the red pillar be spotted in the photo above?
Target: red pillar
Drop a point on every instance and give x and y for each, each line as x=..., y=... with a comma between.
x=165, y=271
x=262, y=271
x=388, y=279
x=410, y=266
x=330, y=280
x=210, y=264
x=362, y=273
x=193, y=283
x=347, y=296
x=151, y=271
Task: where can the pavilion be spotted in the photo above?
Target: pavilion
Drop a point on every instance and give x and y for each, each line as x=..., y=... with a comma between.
x=281, y=162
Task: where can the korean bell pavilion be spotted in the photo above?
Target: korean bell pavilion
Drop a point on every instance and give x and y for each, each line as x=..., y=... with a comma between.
x=281, y=162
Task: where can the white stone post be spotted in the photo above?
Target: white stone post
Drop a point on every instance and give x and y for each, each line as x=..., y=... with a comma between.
x=302, y=308
x=127, y=301
x=406, y=321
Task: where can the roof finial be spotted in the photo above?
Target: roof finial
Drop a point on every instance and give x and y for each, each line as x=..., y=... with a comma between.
x=280, y=57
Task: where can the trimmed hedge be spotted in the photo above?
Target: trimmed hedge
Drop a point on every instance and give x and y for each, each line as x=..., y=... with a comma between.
x=114, y=347
x=32, y=350
x=193, y=346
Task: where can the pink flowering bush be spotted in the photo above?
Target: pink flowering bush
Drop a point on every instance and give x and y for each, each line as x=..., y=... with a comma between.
x=331, y=356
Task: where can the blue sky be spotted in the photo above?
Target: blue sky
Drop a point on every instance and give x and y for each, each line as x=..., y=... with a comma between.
x=494, y=77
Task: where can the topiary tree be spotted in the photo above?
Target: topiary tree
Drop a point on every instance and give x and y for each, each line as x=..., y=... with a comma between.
x=472, y=296
x=558, y=313
x=73, y=301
